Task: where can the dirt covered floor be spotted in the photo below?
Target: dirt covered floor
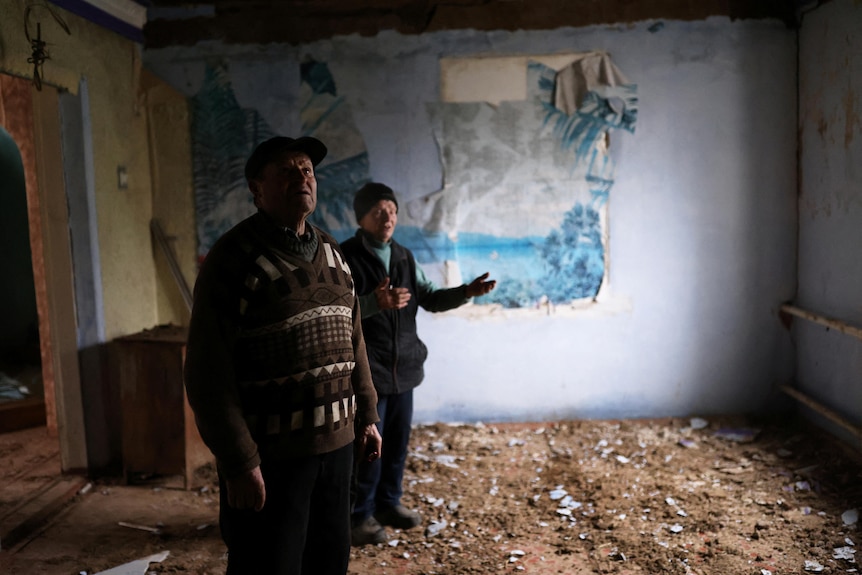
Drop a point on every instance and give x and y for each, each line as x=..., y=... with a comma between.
x=678, y=496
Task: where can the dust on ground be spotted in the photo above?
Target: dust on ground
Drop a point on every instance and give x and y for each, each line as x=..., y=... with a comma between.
x=729, y=496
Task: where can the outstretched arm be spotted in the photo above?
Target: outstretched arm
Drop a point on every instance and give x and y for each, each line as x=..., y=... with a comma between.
x=435, y=299
x=480, y=286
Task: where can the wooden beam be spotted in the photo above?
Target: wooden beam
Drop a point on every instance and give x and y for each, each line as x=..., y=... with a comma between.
x=162, y=241
x=57, y=305
x=21, y=414
x=835, y=324
x=826, y=412
x=38, y=509
x=300, y=21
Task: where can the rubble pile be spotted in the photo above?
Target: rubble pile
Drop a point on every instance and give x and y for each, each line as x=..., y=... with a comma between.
x=674, y=496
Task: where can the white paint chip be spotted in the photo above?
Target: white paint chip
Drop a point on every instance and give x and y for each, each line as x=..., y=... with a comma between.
x=137, y=567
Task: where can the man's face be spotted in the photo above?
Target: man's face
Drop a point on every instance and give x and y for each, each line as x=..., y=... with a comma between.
x=286, y=188
x=380, y=220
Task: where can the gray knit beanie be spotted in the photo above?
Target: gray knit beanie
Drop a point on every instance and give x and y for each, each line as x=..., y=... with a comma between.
x=368, y=196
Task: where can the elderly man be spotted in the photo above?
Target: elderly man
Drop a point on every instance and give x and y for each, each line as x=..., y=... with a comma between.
x=278, y=377
x=391, y=287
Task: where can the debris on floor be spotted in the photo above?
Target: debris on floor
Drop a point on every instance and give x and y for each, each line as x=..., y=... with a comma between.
x=138, y=567
x=668, y=496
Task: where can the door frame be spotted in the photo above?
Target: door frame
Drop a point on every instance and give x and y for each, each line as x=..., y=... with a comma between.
x=39, y=138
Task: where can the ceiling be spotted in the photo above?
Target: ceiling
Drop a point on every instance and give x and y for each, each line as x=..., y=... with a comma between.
x=179, y=22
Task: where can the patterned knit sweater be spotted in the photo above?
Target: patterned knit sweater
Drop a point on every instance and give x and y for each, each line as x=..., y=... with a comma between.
x=276, y=365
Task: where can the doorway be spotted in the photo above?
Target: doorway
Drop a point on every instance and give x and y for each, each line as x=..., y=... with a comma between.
x=33, y=121
x=22, y=395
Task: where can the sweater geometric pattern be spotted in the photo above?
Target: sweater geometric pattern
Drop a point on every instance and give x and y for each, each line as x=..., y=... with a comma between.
x=294, y=352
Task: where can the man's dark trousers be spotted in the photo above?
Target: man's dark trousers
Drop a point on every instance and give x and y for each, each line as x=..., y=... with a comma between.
x=304, y=526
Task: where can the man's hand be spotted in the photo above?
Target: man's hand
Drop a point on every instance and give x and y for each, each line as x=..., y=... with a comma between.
x=370, y=442
x=390, y=297
x=247, y=491
x=479, y=286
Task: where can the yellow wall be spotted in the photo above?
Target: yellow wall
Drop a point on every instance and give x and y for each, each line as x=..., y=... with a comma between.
x=111, y=65
x=173, y=194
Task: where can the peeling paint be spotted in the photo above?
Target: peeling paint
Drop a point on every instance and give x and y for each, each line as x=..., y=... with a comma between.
x=851, y=116
x=708, y=210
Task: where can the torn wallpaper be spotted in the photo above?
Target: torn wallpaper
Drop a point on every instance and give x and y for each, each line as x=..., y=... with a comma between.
x=224, y=135
x=525, y=183
x=526, y=186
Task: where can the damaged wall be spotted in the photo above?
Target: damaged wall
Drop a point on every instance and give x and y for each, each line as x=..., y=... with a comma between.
x=93, y=75
x=178, y=22
x=119, y=138
x=701, y=216
x=829, y=364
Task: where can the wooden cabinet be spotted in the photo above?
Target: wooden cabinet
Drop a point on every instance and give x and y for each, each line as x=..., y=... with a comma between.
x=160, y=439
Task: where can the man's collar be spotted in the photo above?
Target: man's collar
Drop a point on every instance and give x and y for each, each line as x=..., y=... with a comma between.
x=306, y=237
x=286, y=231
x=372, y=241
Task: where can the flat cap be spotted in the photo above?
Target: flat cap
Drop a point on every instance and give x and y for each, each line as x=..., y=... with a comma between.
x=268, y=150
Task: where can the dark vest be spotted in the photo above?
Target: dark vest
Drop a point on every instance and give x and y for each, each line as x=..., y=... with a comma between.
x=395, y=351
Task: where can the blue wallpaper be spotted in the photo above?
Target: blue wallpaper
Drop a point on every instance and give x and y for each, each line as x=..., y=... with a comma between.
x=526, y=185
